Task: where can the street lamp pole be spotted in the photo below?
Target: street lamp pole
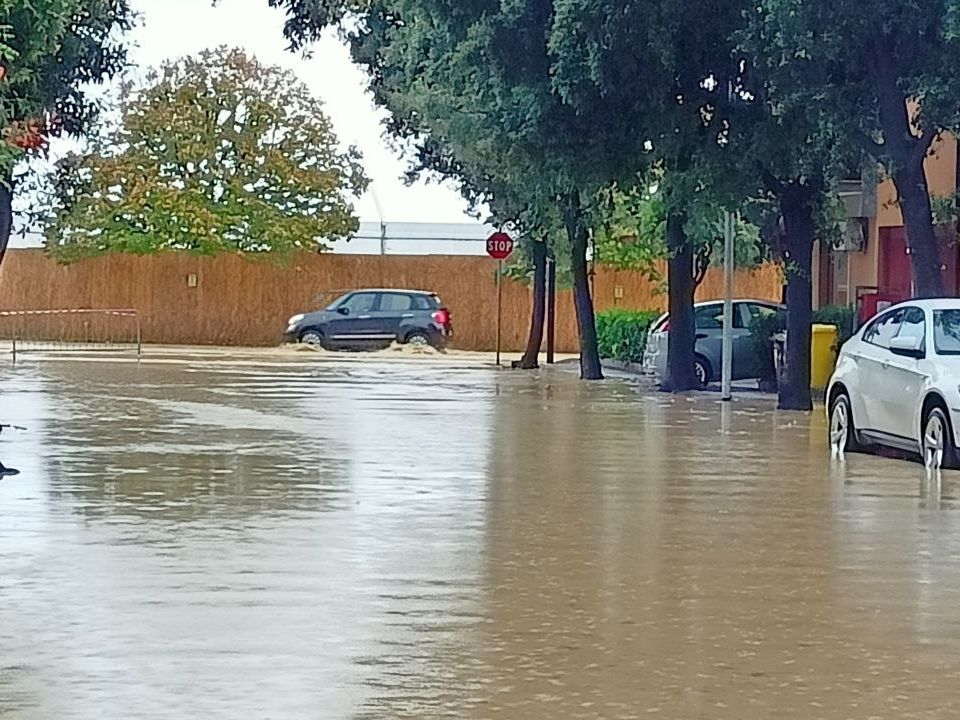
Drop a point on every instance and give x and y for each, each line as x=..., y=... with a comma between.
x=727, y=363
x=726, y=377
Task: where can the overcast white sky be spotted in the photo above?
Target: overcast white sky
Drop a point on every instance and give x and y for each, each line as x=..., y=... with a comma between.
x=172, y=28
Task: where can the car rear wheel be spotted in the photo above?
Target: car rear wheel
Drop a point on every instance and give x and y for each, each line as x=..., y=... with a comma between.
x=702, y=372
x=937, y=444
x=418, y=339
x=843, y=433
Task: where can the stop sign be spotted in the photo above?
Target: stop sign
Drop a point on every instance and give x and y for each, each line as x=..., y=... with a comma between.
x=499, y=246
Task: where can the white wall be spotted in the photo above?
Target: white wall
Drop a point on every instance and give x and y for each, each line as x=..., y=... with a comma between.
x=417, y=239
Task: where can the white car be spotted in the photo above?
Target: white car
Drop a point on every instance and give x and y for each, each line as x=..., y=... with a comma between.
x=897, y=383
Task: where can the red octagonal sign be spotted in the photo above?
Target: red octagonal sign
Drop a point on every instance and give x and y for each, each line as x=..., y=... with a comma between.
x=499, y=246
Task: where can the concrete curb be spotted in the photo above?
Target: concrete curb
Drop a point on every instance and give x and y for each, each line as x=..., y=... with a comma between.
x=627, y=367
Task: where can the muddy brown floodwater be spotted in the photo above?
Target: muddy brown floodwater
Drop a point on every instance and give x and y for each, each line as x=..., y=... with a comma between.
x=323, y=537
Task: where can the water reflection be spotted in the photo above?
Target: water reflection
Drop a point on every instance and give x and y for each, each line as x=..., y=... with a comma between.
x=370, y=539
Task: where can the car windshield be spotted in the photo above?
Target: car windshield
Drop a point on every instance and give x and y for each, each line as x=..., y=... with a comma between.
x=333, y=305
x=946, y=331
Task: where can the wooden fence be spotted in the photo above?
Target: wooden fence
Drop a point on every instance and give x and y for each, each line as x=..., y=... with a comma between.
x=231, y=300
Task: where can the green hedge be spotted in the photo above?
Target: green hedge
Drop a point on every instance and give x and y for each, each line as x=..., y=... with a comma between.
x=622, y=334
x=843, y=316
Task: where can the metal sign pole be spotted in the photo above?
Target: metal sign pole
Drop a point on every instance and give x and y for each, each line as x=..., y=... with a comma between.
x=499, y=304
x=551, y=307
x=499, y=247
x=728, y=260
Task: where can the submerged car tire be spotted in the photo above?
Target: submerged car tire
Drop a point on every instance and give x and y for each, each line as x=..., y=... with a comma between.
x=844, y=437
x=702, y=371
x=936, y=444
x=312, y=337
x=418, y=339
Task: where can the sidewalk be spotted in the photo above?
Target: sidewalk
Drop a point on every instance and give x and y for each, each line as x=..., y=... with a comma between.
x=746, y=389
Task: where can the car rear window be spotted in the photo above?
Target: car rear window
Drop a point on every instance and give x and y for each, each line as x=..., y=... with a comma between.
x=426, y=302
x=709, y=317
x=946, y=332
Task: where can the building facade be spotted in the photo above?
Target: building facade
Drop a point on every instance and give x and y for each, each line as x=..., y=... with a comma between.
x=872, y=263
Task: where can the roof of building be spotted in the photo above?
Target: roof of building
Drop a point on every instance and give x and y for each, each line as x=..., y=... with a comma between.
x=424, y=231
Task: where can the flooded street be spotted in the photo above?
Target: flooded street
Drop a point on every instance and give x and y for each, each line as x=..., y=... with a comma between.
x=328, y=537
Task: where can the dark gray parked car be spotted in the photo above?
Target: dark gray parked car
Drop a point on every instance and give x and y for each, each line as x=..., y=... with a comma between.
x=374, y=318
x=708, y=319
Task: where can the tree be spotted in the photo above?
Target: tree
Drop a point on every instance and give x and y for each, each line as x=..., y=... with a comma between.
x=648, y=62
x=530, y=263
x=213, y=153
x=539, y=252
x=685, y=81
x=53, y=50
x=797, y=153
x=885, y=72
x=477, y=82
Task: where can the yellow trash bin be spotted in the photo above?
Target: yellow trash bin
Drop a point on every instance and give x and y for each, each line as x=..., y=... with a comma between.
x=823, y=355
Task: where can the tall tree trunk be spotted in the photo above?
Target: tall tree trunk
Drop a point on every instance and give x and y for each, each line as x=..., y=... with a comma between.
x=681, y=338
x=586, y=324
x=796, y=207
x=905, y=153
x=6, y=215
x=917, y=212
x=531, y=357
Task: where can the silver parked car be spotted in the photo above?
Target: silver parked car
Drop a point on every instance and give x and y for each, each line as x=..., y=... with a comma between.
x=708, y=319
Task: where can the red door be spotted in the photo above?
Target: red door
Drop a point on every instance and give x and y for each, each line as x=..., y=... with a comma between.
x=826, y=295
x=895, y=282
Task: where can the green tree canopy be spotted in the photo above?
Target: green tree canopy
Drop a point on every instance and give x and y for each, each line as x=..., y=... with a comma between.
x=212, y=153
x=53, y=50
x=879, y=72
x=632, y=235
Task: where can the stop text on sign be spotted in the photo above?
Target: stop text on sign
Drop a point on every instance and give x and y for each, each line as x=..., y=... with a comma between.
x=499, y=246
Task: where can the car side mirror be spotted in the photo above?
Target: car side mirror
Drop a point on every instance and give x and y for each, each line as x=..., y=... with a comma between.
x=907, y=346
x=343, y=310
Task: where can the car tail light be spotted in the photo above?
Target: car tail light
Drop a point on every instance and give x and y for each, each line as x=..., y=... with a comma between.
x=664, y=328
x=442, y=316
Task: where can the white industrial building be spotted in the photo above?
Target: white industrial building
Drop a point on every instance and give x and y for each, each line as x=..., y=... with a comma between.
x=389, y=238
x=409, y=238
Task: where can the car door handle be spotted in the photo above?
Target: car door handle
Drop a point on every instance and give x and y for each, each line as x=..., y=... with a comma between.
x=701, y=336
x=363, y=317
x=407, y=315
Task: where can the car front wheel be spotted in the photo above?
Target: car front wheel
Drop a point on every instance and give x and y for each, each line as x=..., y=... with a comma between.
x=937, y=445
x=843, y=433
x=312, y=337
